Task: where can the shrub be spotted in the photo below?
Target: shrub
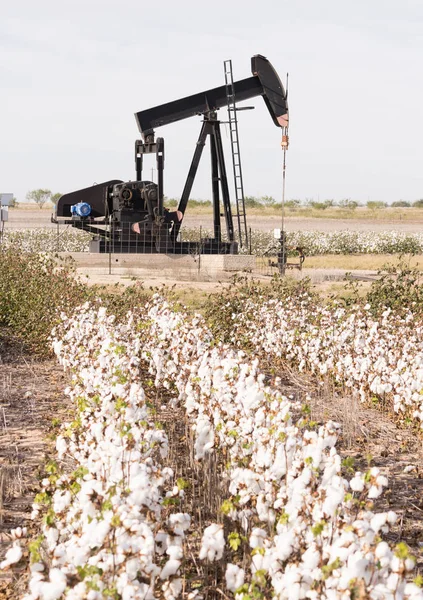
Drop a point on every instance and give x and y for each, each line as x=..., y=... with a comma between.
x=34, y=289
x=252, y=202
x=401, y=204
x=321, y=205
x=348, y=204
x=292, y=204
x=267, y=200
x=375, y=204
x=400, y=288
x=418, y=203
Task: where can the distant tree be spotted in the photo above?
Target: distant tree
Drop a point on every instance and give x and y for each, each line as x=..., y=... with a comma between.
x=40, y=196
x=375, y=204
x=292, y=204
x=321, y=205
x=418, y=203
x=55, y=198
x=348, y=204
x=267, y=200
x=251, y=202
x=401, y=204
x=12, y=203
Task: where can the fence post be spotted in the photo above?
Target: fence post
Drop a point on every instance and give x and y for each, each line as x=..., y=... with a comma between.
x=199, y=251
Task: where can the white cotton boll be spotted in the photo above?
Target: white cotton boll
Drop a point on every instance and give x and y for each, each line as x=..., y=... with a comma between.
x=170, y=568
x=257, y=537
x=98, y=533
x=409, y=469
x=381, y=480
x=172, y=589
x=356, y=568
x=311, y=558
x=179, y=521
x=37, y=567
x=61, y=500
x=61, y=447
x=53, y=589
x=264, y=512
x=212, y=543
x=382, y=550
x=205, y=438
x=332, y=501
x=234, y=576
x=392, y=581
x=13, y=555
x=51, y=536
x=357, y=483
x=18, y=533
x=175, y=552
x=260, y=562
x=378, y=521
x=413, y=592
x=374, y=492
x=284, y=545
x=132, y=567
x=391, y=517
x=409, y=564
x=35, y=584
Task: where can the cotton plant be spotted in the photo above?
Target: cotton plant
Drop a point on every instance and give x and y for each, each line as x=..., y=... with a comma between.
x=111, y=526
x=47, y=240
x=280, y=475
x=374, y=357
x=108, y=529
x=263, y=243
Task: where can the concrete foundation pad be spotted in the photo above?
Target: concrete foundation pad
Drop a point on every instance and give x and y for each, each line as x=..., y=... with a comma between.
x=184, y=267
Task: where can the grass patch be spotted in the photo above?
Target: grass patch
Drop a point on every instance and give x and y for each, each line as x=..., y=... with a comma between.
x=371, y=262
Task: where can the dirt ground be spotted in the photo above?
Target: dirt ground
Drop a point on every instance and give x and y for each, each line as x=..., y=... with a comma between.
x=31, y=396
x=36, y=218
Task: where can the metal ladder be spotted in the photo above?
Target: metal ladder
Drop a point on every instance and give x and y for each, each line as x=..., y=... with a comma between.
x=236, y=157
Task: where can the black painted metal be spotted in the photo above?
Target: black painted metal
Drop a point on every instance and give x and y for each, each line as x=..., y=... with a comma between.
x=215, y=190
x=205, y=130
x=265, y=82
x=160, y=167
x=94, y=195
x=223, y=182
x=125, y=205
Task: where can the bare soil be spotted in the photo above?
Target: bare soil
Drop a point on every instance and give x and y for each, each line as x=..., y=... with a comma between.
x=31, y=395
x=35, y=219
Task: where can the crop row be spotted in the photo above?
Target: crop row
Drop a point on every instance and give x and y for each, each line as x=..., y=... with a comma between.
x=112, y=527
x=262, y=243
x=377, y=358
x=315, y=243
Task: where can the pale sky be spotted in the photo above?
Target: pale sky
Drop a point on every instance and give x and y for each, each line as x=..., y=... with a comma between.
x=73, y=73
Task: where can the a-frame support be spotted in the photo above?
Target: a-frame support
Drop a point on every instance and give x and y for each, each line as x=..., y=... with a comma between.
x=210, y=127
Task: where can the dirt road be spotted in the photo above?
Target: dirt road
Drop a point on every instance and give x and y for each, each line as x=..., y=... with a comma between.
x=36, y=218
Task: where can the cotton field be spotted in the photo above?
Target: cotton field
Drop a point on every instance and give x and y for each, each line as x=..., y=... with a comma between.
x=290, y=525
x=313, y=243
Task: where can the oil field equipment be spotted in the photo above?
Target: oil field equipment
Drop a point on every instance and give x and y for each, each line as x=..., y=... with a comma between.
x=131, y=216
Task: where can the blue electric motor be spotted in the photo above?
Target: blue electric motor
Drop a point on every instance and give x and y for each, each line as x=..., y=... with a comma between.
x=82, y=209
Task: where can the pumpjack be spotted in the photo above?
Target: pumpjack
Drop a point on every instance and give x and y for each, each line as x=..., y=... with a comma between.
x=130, y=216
